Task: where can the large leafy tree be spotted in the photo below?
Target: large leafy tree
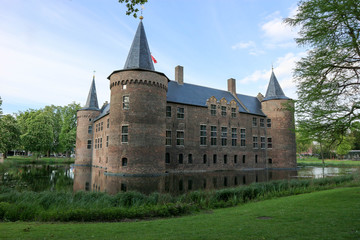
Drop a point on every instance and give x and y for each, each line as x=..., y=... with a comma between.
x=131, y=6
x=67, y=136
x=328, y=77
x=9, y=134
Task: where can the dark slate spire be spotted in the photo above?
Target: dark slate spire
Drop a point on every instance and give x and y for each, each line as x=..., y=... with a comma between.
x=92, y=102
x=274, y=90
x=139, y=54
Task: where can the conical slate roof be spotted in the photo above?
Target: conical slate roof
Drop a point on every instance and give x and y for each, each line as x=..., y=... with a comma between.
x=139, y=55
x=92, y=102
x=274, y=90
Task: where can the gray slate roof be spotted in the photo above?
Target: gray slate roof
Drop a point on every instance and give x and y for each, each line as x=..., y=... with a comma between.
x=190, y=94
x=92, y=101
x=139, y=54
x=274, y=90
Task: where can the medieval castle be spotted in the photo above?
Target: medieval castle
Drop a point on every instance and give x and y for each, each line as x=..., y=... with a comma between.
x=155, y=125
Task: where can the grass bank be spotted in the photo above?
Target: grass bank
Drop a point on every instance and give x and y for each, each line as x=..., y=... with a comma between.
x=43, y=160
x=95, y=206
x=331, y=214
x=313, y=161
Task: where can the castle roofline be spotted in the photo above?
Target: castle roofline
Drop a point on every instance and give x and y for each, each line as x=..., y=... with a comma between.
x=138, y=69
x=274, y=90
x=92, y=101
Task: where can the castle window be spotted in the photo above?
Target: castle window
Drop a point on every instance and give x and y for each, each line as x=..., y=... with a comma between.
x=270, y=161
x=107, y=159
x=202, y=135
x=180, y=138
x=102, y=124
x=90, y=129
x=223, y=110
x=190, y=159
x=167, y=158
x=168, y=111
x=181, y=158
x=256, y=158
x=124, y=87
x=269, y=142
x=225, y=159
x=214, y=158
x=124, y=134
x=268, y=123
x=262, y=142
x=168, y=138
x=124, y=162
x=233, y=136
x=243, y=137
x=180, y=112
x=89, y=144
x=233, y=112
x=255, y=142
x=108, y=123
x=204, y=158
x=213, y=135
x=243, y=158
x=235, y=159
x=262, y=122
x=213, y=110
x=100, y=142
x=126, y=102
x=89, y=119
x=223, y=136
x=96, y=140
x=254, y=122
x=107, y=141
x=96, y=127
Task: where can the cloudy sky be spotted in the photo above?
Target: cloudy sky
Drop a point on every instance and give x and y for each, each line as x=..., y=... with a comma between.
x=50, y=48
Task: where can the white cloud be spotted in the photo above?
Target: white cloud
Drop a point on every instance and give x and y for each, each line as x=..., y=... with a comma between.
x=250, y=45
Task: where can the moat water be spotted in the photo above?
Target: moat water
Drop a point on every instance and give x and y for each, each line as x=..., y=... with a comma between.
x=70, y=178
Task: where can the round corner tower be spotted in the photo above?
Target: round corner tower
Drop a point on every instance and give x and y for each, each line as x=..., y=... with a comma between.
x=281, y=151
x=137, y=114
x=84, y=130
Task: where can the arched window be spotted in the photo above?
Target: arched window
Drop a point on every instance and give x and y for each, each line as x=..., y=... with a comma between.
x=124, y=162
x=181, y=158
x=204, y=159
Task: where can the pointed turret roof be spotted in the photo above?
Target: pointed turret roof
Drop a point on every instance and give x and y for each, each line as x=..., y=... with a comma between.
x=139, y=55
x=92, y=101
x=274, y=90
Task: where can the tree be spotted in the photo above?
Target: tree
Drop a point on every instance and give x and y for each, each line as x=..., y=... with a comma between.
x=38, y=136
x=131, y=6
x=9, y=134
x=328, y=78
x=0, y=107
x=68, y=129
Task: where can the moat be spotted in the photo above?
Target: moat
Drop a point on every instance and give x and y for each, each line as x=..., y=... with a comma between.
x=75, y=178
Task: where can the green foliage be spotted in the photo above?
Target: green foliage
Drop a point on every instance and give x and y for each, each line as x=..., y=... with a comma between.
x=0, y=106
x=96, y=206
x=9, y=134
x=131, y=6
x=67, y=137
x=328, y=78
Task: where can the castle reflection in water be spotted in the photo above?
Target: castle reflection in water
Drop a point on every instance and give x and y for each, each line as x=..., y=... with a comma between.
x=95, y=179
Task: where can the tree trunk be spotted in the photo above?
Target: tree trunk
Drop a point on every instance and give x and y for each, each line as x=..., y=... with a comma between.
x=322, y=154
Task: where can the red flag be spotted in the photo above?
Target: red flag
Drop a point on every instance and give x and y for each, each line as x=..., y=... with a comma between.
x=154, y=60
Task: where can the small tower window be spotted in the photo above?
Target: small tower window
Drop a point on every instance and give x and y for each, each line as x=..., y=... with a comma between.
x=124, y=87
x=167, y=158
x=89, y=144
x=124, y=162
x=108, y=123
x=90, y=129
x=124, y=134
x=126, y=102
x=107, y=141
x=268, y=123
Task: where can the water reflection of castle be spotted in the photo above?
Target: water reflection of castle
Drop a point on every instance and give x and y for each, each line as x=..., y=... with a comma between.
x=94, y=179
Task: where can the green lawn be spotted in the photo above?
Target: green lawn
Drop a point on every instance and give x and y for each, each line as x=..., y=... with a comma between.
x=330, y=214
x=313, y=161
x=43, y=160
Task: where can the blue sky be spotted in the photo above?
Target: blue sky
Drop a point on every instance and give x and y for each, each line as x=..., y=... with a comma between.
x=50, y=48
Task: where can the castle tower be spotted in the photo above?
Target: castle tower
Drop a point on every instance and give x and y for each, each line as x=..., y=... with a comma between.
x=281, y=143
x=84, y=130
x=137, y=113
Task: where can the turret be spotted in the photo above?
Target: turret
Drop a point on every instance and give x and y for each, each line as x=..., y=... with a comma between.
x=281, y=145
x=137, y=113
x=85, y=128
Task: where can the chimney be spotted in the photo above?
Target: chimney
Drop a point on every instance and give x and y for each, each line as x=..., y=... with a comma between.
x=232, y=86
x=179, y=74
